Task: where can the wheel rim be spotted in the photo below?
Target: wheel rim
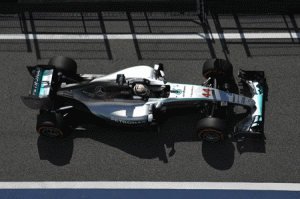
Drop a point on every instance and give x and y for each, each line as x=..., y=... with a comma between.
x=211, y=136
x=50, y=132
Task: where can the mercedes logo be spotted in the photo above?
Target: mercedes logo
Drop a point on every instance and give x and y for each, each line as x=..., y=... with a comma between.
x=100, y=90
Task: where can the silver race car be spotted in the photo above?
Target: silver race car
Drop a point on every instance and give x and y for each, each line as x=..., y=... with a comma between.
x=139, y=95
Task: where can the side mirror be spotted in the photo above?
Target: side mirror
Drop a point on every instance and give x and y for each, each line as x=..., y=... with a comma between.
x=159, y=66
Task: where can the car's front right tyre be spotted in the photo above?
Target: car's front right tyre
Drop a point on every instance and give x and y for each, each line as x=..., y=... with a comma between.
x=211, y=129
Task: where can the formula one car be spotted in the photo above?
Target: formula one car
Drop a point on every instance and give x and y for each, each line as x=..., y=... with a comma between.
x=137, y=95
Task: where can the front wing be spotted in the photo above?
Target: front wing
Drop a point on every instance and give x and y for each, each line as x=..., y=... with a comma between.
x=254, y=122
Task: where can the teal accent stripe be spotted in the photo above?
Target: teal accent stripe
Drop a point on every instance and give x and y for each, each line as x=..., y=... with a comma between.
x=260, y=104
x=39, y=82
x=42, y=89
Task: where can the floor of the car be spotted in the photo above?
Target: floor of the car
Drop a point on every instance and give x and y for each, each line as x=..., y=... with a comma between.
x=239, y=109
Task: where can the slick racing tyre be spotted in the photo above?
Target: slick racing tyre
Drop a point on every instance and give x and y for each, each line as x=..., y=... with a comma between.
x=217, y=68
x=64, y=64
x=51, y=125
x=211, y=129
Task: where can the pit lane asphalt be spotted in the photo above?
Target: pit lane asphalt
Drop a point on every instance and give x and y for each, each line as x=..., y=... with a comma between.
x=119, y=154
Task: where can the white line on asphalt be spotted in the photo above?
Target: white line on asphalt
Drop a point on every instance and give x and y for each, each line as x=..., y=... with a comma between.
x=152, y=185
x=154, y=36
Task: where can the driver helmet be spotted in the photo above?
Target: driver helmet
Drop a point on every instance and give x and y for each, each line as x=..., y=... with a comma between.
x=141, y=89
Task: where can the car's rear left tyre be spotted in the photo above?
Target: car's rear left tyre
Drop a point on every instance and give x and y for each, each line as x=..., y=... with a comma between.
x=64, y=64
x=211, y=129
x=217, y=68
x=51, y=125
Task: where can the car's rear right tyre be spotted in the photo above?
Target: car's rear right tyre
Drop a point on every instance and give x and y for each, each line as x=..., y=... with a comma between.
x=51, y=125
x=64, y=64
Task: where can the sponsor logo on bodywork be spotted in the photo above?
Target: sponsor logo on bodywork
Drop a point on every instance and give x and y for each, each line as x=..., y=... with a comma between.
x=183, y=91
x=100, y=90
x=36, y=82
x=176, y=91
x=242, y=100
x=127, y=122
x=88, y=94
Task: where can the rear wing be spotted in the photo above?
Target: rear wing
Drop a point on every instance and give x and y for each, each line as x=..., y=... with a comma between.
x=254, y=122
x=42, y=86
x=43, y=75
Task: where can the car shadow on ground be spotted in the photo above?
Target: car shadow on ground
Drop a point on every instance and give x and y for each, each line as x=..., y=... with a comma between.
x=145, y=143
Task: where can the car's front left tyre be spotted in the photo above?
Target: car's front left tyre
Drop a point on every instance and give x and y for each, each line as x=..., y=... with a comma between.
x=217, y=68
